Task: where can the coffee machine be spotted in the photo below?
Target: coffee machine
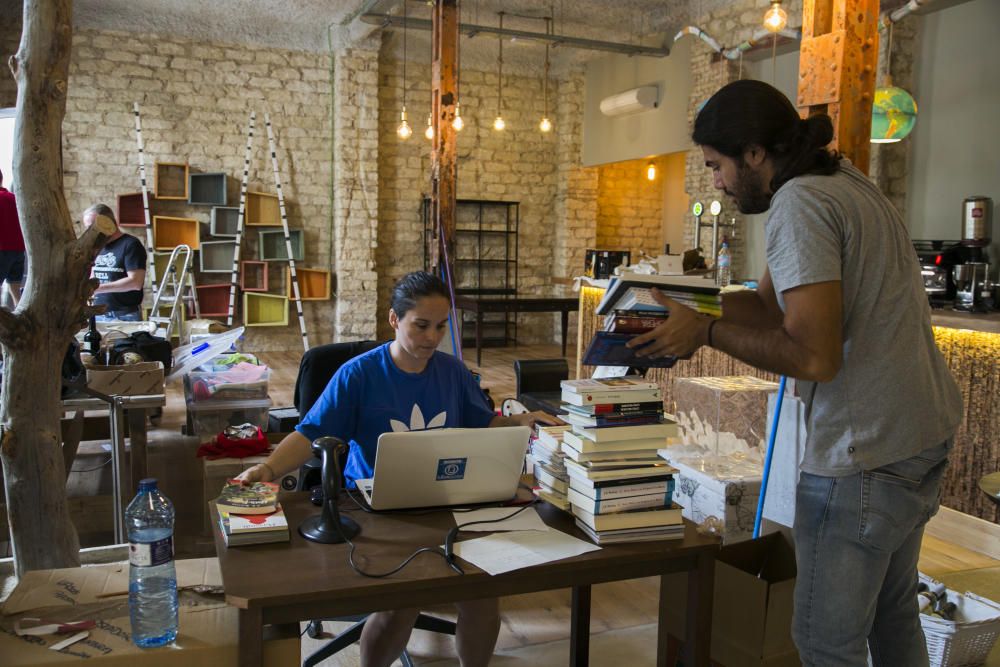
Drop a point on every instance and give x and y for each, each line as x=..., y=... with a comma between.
x=971, y=272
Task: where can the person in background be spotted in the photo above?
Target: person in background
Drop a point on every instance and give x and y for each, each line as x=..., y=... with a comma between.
x=120, y=266
x=11, y=244
x=405, y=385
x=841, y=308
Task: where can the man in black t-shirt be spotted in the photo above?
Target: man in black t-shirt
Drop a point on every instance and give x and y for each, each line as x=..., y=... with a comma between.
x=120, y=266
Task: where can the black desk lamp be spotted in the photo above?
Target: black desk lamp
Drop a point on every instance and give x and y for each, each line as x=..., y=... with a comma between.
x=329, y=527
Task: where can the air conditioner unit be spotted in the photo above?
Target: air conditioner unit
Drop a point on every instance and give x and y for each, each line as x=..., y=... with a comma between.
x=638, y=99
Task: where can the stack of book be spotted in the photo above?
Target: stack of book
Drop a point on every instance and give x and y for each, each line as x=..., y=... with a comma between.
x=251, y=514
x=619, y=488
x=545, y=457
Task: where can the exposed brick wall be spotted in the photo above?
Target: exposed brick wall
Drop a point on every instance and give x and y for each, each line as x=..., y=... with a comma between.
x=630, y=208
x=10, y=37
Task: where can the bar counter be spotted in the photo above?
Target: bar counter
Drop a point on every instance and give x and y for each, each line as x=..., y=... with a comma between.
x=970, y=344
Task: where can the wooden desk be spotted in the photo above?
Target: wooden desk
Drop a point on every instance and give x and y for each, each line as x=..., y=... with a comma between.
x=499, y=303
x=302, y=580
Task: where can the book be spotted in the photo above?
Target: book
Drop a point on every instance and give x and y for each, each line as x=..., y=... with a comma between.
x=552, y=435
x=643, y=518
x=609, y=349
x=553, y=479
x=247, y=539
x=642, y=298
x=611, y=420
x=254, y=498
x=673, y=286
x=586, y=445
x=613, y=408
x=633, y=325
x=622, y=504
x=627, y=471
x=621, y=488
x=557, y=499
x=623, y=456
x=620, y=536
x=663, y=430
x=597, y=385
x=612, y=397
x=255, y=523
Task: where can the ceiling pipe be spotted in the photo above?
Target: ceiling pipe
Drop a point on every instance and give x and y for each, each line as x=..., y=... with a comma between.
x=734, y=52
x=901, y=13
x=471, y=30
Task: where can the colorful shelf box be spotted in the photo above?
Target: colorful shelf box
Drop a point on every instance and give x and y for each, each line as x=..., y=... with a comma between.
x=253, y=276
x=262, y=210
x=224, y=221
x=264, y=310
x=207, y=189
x=130, y=211
x=213, y=300
x=314, y=284
x=168, y=232
x=272, y=248
x=217, y=256
x=170, y=180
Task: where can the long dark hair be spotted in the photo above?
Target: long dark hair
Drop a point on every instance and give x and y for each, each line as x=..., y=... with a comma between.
x=749, y=113
x=414, y=286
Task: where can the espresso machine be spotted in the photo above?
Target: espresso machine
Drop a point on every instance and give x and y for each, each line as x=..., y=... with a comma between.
x=971, y=270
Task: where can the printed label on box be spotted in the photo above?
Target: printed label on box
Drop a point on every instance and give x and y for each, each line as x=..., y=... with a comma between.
x=449, y=469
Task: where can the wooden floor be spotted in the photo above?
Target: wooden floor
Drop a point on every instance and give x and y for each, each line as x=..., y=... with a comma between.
x=527, y=619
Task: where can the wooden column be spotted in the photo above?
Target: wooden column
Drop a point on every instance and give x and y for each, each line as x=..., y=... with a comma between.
x=444, y=166
x=837, y=64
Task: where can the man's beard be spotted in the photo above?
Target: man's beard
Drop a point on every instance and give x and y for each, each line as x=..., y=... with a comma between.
x=750, y=193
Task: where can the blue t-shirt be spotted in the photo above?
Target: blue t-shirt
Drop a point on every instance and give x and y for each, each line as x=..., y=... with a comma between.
x=370, y=396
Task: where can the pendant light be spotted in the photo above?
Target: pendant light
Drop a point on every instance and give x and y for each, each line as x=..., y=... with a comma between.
x=775, y=19
x=429, y=132
x=498, y=122
x=651, y=171
x=545, y=125
x=894, y=111
x=404, y=130
x=457, y=121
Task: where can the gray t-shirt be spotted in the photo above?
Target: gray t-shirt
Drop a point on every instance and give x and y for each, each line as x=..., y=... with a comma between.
x=894, y=395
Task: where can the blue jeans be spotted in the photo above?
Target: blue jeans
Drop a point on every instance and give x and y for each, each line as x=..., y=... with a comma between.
x=126, y=315
x=857, y=542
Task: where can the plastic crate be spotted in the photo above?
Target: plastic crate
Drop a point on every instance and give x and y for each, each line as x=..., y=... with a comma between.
x=211, y=386
x=968, y=639
x=206, y=419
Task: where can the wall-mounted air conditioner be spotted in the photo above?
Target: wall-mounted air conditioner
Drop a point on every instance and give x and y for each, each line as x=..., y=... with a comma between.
x=638, y=99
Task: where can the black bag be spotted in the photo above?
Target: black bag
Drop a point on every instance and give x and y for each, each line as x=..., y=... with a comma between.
x=147, y=346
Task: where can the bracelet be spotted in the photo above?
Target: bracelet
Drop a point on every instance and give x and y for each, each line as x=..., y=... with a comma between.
x=710, y=325
x=270, y=469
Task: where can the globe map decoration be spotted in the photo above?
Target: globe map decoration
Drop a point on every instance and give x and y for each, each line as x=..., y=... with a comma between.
x=894, y=113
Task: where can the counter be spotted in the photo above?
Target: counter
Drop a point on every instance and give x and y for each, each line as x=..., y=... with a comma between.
x=971, y=347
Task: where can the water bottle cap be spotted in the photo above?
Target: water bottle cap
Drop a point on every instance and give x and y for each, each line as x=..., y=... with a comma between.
x=147, y=484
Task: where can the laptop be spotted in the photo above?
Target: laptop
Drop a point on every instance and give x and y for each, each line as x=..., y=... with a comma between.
x=441, y=467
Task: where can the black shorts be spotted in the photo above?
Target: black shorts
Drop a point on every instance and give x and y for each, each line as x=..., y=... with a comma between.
x=12, y=266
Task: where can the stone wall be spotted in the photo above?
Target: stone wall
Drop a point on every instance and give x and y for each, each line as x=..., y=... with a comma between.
x=630, y=208
x=10, y=36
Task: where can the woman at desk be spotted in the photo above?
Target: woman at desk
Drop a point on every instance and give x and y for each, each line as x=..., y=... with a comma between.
x=405, y=385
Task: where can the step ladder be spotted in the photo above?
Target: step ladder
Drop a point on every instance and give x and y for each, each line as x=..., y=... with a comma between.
x=177, y=288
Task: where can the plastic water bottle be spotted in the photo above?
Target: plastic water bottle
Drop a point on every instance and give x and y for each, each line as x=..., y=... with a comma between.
x=152, y=589
x=723, y=265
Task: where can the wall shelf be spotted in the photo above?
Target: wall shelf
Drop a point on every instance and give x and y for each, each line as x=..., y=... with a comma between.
x=168, y=232
x=262, y=210
x=314, y=284
x=272, y=248
x=217, y=256
x=224, y=220
x=213, y=300
x=207, y=189
x=264, y=310
x=253, y=276
x=170, y=180
x=130, y=211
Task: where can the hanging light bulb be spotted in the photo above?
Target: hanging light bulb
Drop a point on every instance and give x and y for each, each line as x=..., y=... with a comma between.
x=458, y=123
x=545, y=125
x=429, y=132
x=498, y=122
x=651, y=171
x=404, y=130
x=776, y=18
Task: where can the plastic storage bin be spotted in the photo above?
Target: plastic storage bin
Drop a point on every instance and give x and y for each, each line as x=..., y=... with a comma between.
x=202, y=386
x=206, y=419
x=968, y=639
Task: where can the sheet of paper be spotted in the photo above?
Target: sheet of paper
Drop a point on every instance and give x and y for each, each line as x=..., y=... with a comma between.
x=501, y=553
x=527, y=519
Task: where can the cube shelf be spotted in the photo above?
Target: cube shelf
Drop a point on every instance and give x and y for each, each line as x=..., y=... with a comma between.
x=253, y=276
x=272, y=245
x=314, y=284
x=130, y=212
x=168, y=232
x=264, y=310
x=213, y=300
x=262, y=210
x=207, y=189
x=217, y=256
x=224, y=221
x=170, y=180
x=160, y=260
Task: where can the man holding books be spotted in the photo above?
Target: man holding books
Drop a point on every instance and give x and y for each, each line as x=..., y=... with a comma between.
x=841, y=308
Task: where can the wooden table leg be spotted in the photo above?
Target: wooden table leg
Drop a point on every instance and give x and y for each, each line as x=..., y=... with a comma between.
x=698, y=635
x=137, y=445
x=479, y=338
x=579, y=634
x=565, y=325
x=251, y=637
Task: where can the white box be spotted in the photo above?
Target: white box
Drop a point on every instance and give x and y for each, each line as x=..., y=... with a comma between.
x=729, y=494
x=789, y=447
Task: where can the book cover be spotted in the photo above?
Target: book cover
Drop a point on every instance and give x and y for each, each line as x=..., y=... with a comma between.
x=597, y=385
x=255, y=523
x=643, y=518
x=633, y=325
x=608, y=349
x=612, y=397
x=255, y=498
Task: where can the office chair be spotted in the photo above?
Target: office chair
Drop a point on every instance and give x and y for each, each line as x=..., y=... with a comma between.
x=317, y=367
x=538, y=383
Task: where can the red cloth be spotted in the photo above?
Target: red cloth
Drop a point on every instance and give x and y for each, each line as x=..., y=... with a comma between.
x=10, y=225
x=228, y=448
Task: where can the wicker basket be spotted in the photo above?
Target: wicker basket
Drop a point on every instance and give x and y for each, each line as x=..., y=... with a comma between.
x=967, y=640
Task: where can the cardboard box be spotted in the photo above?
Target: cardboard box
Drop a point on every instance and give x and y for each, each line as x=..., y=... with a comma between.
x=728, y=492
x=207, y=636
x=725, y=415
x=142, y=379
x=752, y=604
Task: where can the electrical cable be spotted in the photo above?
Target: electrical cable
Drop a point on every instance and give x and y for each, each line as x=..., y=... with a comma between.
x=91, y=469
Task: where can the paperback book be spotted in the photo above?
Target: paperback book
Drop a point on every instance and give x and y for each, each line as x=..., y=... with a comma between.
x=255, y=498
x=631, y=535
x=640, y=518
x=609, y=349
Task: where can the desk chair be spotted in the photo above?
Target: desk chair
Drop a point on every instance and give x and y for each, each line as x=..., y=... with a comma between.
x=317, y=367
x=538, y=383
